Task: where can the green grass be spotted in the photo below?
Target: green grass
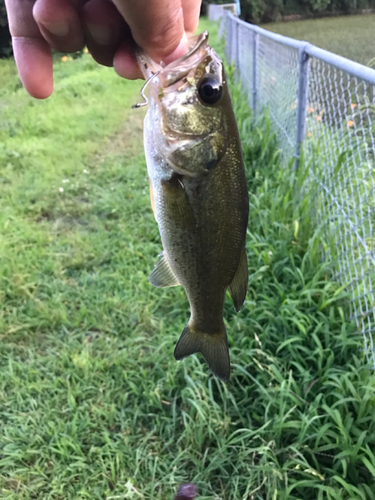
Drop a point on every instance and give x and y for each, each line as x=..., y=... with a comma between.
x=92, y=403
x=348, y=36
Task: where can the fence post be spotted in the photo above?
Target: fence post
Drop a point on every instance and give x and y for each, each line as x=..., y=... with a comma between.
x=223, y=25
x=303, y=84
x=229, y=39
x=255, y=66
x=238, y=48
x=233, y=52
x=237, y=56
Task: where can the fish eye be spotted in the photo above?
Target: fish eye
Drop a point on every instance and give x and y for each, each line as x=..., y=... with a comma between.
x=209, y=90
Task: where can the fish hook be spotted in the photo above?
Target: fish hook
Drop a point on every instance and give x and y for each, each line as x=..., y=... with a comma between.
x=144, y=97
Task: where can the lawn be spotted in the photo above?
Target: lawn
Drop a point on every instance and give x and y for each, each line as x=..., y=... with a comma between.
x=348, y=36
x=93, y=404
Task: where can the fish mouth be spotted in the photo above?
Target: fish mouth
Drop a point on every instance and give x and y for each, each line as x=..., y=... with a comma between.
x=164, y=78
x=177, y=69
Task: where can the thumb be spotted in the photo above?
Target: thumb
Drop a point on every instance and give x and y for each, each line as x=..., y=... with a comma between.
x=157, y=26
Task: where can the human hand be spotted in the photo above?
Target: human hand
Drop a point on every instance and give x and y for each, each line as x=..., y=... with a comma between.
x=109, y=29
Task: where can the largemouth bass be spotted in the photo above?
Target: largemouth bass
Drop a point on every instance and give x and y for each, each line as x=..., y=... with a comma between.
x=198, y=194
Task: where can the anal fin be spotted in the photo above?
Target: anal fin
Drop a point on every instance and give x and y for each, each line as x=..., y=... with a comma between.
x=238, y=287
x=162, y=275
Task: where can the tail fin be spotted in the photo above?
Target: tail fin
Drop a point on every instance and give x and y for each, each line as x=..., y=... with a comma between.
x=214, y=348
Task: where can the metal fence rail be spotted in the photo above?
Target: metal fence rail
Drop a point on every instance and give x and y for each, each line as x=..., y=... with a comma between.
x=326, y=104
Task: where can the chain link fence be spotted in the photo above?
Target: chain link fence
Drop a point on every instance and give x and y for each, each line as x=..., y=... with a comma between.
x=324, y=104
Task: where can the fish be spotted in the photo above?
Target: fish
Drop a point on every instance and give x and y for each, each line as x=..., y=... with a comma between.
x=198, y=193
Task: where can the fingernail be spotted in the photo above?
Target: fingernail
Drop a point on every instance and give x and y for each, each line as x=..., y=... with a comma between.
x=60, y=28
x=100, y=34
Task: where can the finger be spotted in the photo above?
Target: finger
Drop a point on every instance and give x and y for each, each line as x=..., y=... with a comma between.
x=191, y=11
x=125, y=63
x=105, y=29
x=157, y=26
x=60, y=25
x=31, y=52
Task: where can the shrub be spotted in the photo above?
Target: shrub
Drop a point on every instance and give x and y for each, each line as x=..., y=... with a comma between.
x=272, y=10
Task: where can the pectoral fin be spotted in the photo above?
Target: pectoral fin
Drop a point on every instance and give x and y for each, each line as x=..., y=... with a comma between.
x=238, y=287
x=176, y=202
x=162, y=275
